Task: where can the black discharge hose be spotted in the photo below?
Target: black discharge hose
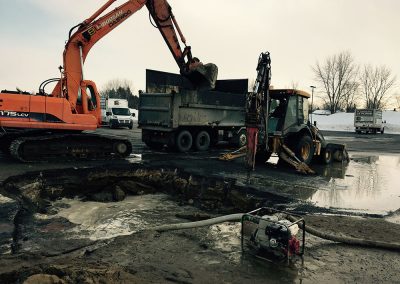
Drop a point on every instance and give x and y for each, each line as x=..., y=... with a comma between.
x=347, y=240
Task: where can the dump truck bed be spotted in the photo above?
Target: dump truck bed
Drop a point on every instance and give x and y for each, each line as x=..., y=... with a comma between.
x=171, y=102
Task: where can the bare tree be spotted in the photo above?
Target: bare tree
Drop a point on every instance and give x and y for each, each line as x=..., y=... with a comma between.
x=397, y=101
x=337, y=76
x=115, y=84
x=351, y=96
x=376, y=83
x=120, y=89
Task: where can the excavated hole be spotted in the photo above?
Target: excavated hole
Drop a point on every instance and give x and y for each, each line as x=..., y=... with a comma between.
x=42, y=223
x=41, y=208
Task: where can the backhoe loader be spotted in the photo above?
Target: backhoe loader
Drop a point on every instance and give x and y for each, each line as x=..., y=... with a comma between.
x=277, y=122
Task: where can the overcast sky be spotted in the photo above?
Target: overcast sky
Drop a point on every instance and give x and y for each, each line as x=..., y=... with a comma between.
x=229, y=33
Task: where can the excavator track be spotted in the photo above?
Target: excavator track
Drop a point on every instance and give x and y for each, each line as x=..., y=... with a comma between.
x=62, y=147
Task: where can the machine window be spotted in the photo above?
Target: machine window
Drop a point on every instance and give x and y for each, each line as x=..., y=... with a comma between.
x=92, y=103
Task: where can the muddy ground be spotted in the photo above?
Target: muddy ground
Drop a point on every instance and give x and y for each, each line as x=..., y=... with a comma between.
x=87, y=224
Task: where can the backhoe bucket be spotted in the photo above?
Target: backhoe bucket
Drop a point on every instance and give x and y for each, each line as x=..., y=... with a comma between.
x=203, y=77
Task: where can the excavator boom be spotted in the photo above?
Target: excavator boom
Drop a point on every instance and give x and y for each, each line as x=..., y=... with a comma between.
x=90, y=31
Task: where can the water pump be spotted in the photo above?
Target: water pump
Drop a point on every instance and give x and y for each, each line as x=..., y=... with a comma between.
x=266, y=232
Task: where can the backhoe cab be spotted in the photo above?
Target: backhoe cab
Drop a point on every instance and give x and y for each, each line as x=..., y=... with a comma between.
x=290, y=134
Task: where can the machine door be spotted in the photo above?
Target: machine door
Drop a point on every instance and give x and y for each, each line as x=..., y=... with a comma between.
x=53, y=109
x=291, y=118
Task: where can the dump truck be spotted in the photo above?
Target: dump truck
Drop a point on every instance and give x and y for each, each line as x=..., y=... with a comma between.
x=172, y=113
x=368, y=121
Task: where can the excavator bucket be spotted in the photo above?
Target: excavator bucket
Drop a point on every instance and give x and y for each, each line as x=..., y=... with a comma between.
x=203, y=77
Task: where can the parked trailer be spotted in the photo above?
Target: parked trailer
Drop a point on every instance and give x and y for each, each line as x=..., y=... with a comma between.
x=174, y=114
x=368, y=120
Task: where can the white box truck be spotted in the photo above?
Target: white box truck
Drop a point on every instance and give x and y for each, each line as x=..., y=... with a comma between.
x=115, y=113
x=368, y=121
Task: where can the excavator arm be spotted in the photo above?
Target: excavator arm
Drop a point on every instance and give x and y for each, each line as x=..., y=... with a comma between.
x=90, y=31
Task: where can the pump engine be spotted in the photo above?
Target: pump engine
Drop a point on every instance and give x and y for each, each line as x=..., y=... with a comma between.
x=272, y=234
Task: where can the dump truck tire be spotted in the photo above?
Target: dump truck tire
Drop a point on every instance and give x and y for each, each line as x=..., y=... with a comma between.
x=241, y=139
x=202, y=142
x=305, y=149
x=184, y=141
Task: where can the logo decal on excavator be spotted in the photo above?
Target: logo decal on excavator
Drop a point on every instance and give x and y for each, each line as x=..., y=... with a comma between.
x=111, y=21
x=7, y=113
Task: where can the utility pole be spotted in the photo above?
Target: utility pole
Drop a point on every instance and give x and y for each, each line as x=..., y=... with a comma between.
x=312, y=101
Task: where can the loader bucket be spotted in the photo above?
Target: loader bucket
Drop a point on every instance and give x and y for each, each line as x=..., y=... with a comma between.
x=338, y=151
x=203, y=77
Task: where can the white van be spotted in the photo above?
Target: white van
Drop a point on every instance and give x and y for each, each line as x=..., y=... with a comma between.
x=115, y=113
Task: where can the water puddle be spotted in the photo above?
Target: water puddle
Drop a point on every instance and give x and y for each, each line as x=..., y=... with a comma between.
x=366, y=184
x=227, y=238
x=96, y=220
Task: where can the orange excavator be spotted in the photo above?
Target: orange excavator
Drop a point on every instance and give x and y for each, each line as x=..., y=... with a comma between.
x=47, y=125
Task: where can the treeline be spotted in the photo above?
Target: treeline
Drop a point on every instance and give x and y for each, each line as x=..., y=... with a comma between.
x=120, y=89
x=345, y=85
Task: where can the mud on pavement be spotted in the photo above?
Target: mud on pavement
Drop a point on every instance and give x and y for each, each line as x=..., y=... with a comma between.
x=85, y=226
